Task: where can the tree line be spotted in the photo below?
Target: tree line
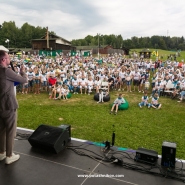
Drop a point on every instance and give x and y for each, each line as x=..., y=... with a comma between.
x=157, y=42
x=19, y=37
x=22, y=37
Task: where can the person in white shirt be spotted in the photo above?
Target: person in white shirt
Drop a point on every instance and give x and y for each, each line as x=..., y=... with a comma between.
x=37, y=81
x=136, y=81
x=65, y=92
x=31, y=76
x=51, y=72
x=43, y=78
x=83, y=84
x=147, y=85
x=148, y=66
x=117, y=102
x=75, y=68
x=128, y=79
x=90, y=85
x=152, y=66
x=144, y=101
x=75, y=85
x=25, y=86
x=160, y=86
x=63, y=73
x=101, y=76
x=155, y=103
x=122, y=79
x=97, y=84
x=183, y=66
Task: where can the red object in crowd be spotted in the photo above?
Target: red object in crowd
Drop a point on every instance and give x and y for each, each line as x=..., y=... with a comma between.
x=180, y=64
x=52, y=81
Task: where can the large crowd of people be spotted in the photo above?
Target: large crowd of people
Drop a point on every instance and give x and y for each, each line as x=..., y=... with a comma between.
x=60, y=76
x=78, y=75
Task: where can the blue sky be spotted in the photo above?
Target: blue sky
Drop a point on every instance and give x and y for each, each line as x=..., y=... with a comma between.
x=74, y=19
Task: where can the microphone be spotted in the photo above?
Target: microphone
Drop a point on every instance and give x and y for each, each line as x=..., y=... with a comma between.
x=113, y=136
x=11, y=64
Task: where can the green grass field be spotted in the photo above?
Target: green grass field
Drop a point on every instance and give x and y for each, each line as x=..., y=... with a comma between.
x=163, y=53
x=134, y=127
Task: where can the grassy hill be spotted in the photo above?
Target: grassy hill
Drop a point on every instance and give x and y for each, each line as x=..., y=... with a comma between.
x=163, y=53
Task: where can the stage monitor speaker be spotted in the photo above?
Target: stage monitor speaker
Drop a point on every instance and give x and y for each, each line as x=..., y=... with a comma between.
x=50, y=138
x=68, y=128
x=168, y=154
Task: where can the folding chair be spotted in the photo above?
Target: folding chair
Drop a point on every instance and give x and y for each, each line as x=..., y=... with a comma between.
x=169, y=88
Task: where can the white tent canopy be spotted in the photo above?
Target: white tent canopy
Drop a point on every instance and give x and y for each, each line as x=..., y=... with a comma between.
x=3, y=48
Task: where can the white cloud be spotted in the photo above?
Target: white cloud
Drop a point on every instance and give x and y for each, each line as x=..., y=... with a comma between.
x=76, y=19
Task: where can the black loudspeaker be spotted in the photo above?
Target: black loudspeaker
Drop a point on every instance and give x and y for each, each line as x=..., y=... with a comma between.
x=50, y=138
x=168, y=154
x=68, y=128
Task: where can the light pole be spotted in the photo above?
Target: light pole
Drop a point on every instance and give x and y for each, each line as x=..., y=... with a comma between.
x=98, y=46
x=7, y=41
x=0, y=30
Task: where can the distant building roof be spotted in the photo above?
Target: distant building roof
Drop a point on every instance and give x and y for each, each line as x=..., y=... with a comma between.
x=52, y=37
x=89, y=47
x=145, y=50
x=14, y=50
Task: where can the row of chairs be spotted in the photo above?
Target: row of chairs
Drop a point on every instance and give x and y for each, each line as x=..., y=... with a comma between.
x=170, y=89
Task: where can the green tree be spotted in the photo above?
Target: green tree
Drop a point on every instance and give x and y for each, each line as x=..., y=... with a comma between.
x=162, y=44
x=119, y=41
x=181, y=46
x=9, y=31
x=20, y=37
x=27, y=34
x=88, y=39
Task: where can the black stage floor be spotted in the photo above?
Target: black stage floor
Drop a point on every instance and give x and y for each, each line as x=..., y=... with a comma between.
x=38, y=167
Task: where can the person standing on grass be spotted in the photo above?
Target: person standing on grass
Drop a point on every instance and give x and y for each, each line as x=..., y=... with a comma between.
x=8, y=106
x=117, y=102
x=31, y=76
x=25, y=87
x=43, y=79
x=143, y=79
x=147, y=85
x=128, y=78
x=37, y=81
x=136, y=79
x=122, y=78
